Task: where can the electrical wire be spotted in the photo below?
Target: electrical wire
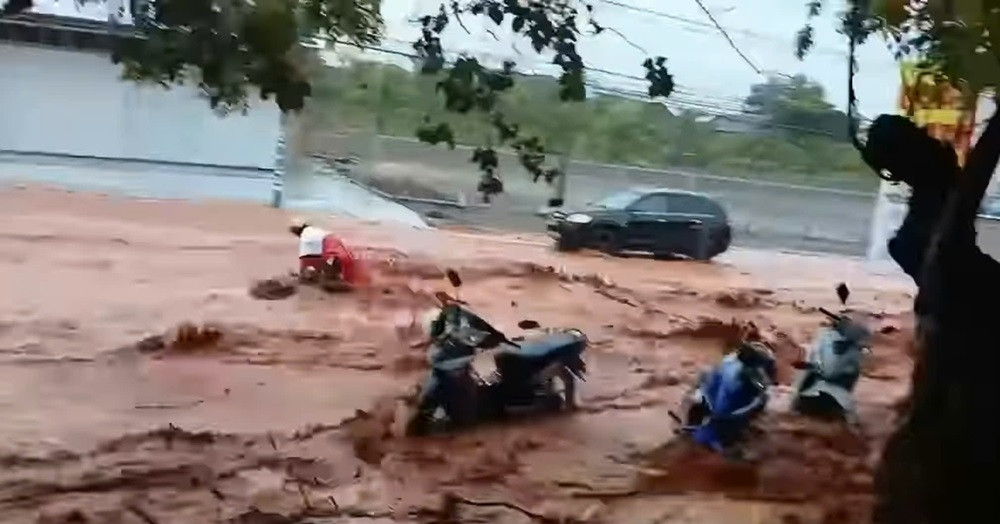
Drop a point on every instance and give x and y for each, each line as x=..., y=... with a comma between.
x=679, y=100
x=550, y=68
x=728, y=38
x=713, y=111
x=706, y=25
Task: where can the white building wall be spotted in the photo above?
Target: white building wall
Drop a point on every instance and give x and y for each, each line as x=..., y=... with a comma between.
x=59, y=101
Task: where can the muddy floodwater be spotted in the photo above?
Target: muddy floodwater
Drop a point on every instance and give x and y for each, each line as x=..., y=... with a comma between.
x=141, y=382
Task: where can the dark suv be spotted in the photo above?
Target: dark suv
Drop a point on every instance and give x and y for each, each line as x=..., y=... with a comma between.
x=660, y=221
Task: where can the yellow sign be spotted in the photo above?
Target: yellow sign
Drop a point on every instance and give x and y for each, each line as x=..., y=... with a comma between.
x=934, y=104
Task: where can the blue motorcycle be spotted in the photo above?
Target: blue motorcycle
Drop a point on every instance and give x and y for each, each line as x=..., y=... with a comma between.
x=728, y=397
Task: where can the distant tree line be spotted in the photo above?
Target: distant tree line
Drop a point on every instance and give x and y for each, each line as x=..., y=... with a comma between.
x=795, y=131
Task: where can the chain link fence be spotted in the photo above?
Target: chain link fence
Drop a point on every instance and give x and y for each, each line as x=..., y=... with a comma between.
x=441, y=183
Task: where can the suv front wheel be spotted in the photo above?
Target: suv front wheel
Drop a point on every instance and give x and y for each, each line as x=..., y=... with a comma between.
x=607, y=240
x=564, y=245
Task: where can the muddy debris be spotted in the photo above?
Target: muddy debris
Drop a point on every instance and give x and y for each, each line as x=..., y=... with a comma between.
x=370, y=432
x=79, y=516
x=793, y=460
x=275, y=288
x=660, y=379
x=410, y=362
x=741, y=299
x=186, y=337
x=729, y=333
x=169, y=435
x=151, y=344
x=256, y=516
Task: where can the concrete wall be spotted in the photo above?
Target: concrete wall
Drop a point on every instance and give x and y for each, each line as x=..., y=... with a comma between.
x=67, y=102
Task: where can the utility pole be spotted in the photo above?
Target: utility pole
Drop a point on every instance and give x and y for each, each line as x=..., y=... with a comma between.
x=278, y=175
x=374, y=146
x=559, y=194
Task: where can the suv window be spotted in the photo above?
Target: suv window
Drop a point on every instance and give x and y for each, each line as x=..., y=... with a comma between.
x=695, y=205
x=650, y=204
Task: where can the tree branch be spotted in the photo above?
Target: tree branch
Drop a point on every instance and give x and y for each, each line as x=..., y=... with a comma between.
x=956, y=225
x=13, y=7
x=979, y=168
x=625, y=39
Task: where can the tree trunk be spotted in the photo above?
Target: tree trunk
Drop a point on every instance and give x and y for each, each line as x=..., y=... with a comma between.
x=939, y=465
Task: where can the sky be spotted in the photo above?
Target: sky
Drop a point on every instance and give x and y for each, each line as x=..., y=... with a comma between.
x=707, y=70
x=704, y=65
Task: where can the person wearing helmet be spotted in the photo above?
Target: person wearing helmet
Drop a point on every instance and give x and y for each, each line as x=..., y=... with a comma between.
x=321, y=252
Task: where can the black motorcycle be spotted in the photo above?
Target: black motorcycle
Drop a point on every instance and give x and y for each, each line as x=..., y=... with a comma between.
x=537, y=374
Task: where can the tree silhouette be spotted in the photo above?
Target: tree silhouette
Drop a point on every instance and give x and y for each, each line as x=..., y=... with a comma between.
x=947, y=442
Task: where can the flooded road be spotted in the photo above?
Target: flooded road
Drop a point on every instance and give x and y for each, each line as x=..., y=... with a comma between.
x=111, y=411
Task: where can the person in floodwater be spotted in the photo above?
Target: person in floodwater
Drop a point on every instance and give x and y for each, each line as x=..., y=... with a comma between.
x=322, y=253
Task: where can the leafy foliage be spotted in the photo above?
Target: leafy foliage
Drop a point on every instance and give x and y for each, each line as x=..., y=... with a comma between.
x=959, y=38
x=15, y=6
x=607, y=129
x=229, y=47
x=795, y=104
x=553, y=27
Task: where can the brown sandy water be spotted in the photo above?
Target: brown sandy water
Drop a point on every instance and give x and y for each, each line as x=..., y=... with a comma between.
x=257, y=422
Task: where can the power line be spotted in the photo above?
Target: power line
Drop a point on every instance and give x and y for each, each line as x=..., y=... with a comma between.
x=729, y=105
x=727, y=37
x=725, y=33
x=710, y=110
x=678, y=88
x=706, y=25
x=682, y=101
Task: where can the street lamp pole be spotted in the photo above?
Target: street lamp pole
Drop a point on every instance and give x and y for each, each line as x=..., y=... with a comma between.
x=278, y=174
x=559, y=195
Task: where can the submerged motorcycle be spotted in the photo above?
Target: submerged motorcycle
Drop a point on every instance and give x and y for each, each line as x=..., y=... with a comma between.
x=537, y=374
x=832, y=367
x=728, y=397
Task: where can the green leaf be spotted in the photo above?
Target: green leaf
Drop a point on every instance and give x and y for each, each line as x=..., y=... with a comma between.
x=517, y=24
x=495, y=14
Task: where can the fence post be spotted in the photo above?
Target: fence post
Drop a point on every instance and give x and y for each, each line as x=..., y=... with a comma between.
x=278, y=174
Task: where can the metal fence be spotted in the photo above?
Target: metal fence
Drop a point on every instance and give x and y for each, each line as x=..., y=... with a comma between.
x=763, y=213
